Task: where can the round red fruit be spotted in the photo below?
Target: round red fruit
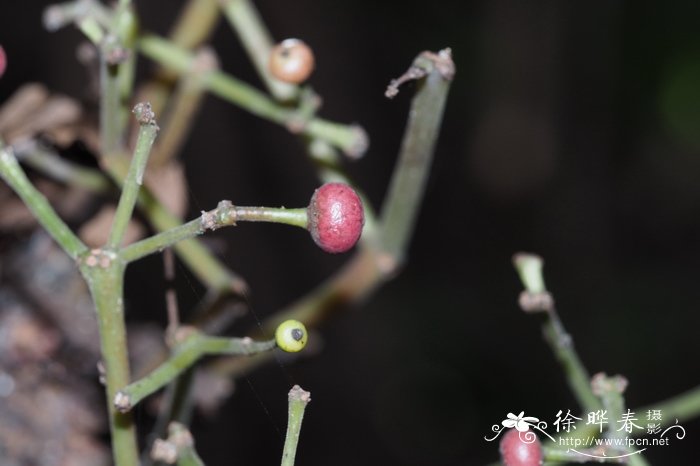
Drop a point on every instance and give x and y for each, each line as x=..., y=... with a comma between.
x=516, y=451
x=335, y=217
x=3, y=61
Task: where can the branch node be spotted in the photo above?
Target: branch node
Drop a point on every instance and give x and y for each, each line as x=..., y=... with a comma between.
x=122, y=402
x=144, y=114
x=422, y=66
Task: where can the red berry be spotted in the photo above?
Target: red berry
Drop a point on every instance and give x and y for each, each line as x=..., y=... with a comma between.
x=3, y=61
x=336, y=217
x=516, y=452
x=291, y=61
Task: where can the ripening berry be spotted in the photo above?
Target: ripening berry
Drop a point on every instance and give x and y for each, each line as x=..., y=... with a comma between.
x=516, y=452
x=336, y=217
x=3, y=61
x=291, y=61
x=291, y=336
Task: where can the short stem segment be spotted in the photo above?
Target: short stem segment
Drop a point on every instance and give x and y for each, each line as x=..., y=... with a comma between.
x=682, y=407
x=105, y=277
x=226, y=214
x=132, y=183
x=14, y=176
x=185, y=354
x=298, y=399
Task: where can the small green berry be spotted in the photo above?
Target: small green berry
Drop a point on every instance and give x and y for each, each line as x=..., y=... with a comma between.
x=291, y=336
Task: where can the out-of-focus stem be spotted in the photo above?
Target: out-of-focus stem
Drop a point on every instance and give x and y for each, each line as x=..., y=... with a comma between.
x=348, y=138
x=183, y=107
x=258, y=43
x=15, y=177
x=682, y=407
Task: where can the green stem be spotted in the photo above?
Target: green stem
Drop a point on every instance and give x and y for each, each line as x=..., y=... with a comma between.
x=557, y=455
x=111, y=108
x=195, y=23
x=577, y=376
x=185, y=355
x=134, y=179
x=348, y=138
x=402, y=202
x=105, y=277
x=257, y=42
x=226, y=214
x=298, y=399
x=683, y=407
x=183, y=108
x=188, y=457
x=208, y=269
x=15, y=177
x=65, y=171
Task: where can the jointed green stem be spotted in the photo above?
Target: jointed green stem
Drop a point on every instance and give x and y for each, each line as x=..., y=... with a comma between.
x=104, y=274
x=134, y=179
x=226, y=214
x=298, y=399
x=184, y=355
x=14, y=176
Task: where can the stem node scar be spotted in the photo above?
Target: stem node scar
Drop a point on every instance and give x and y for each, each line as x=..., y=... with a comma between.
x=144, y=114
x=422, y=66
x=122, y=402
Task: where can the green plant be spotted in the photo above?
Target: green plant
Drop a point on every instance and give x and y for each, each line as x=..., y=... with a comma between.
x=185, y=74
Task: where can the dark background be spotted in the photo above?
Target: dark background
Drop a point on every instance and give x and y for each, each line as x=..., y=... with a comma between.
x=571, y=130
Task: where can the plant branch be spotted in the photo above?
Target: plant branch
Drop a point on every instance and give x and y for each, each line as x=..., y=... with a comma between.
x=225, y=214
x=104, y=274
x=577, y=376
x=298, y=399
x=194, y=347
x=183, y=108
x=48, y=162
x=178, y=447
x=198, y=258
x=15, y=177
x=111, y=109
x=402, y=202
x=536, y=298
x=257, y=42
x=134, y=179
x=349, y=138
x=370, y=267
x=682, y=407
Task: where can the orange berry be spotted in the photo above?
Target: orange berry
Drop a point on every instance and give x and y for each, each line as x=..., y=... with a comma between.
x=291, y=61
